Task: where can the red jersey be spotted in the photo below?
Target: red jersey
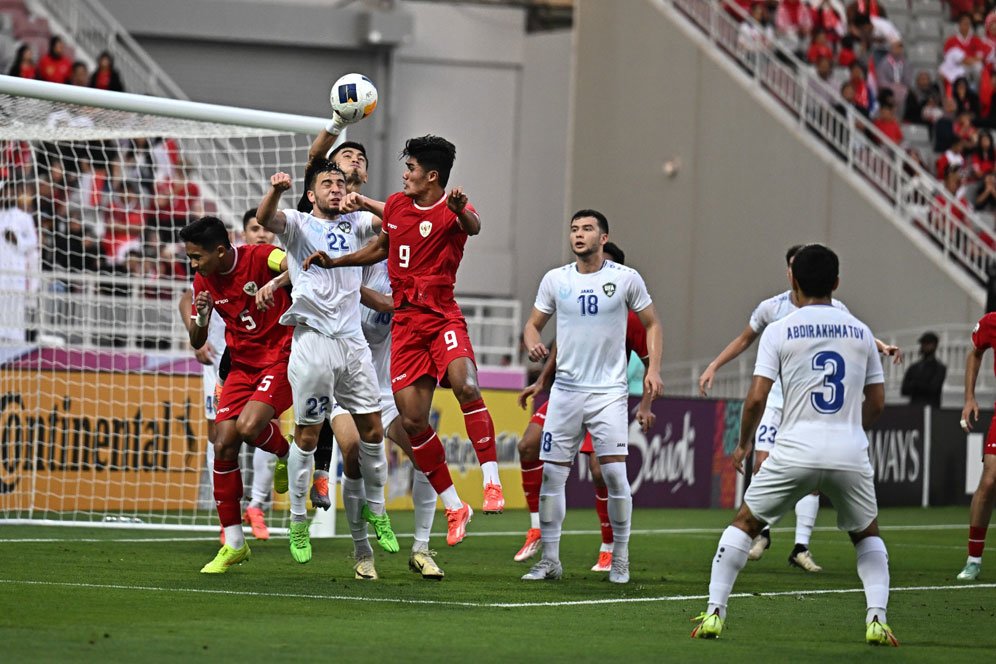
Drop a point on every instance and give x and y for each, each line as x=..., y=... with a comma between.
x=984, y=333
x=636, y=337
x=426, y=247
x=54, y=70
x=256, y=338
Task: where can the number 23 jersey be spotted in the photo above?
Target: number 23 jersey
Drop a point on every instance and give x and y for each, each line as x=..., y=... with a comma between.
x=256, y=338
x=825, y=358
x=592, y=312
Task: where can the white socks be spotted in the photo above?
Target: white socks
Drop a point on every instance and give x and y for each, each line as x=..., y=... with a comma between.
x=424, y=500
x=534, y=523
x=620, y=507
x=731, y=556
x=451, y=499
x=373, y=467
x=805, y=518
x=210, y=466
x=299, y=466
x=262, y=477
x=352, y=504
x=552, y=508
x=489, y=469
x=873, y=569
x=234, y=537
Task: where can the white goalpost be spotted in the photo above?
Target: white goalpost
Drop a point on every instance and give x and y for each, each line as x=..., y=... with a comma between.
x=102, y=417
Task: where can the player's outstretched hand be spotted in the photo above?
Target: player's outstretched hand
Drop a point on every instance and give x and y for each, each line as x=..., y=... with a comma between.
x=205, y=354
x=539, y=352
x=318, y=259
x=527, y=393
x=705, y=381
x=895, y=352
x=969, y=414
x=264, y=296
x=653, y=385
x=646, y=418
x=457, y=200
x=351, y=202
x=280, y=181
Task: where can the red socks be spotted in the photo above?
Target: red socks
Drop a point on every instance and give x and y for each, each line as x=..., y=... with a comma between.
x=228, y=492
x=481, y=430
x=431, y=458
x=602, y=508
x=976, y=541
x=532, y=480
x=271, y=440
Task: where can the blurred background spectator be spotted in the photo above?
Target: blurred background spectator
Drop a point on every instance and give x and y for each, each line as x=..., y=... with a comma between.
x=54, y=66
x=924, y=379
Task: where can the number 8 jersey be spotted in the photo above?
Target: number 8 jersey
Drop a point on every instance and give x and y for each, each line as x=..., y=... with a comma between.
x=825, y=358
x=592, y=310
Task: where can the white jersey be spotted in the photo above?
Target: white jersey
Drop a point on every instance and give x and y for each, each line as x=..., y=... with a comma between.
x=325, y=300
x=825, y=357
x=771, y=310
x=377, y=325
x=591, y=324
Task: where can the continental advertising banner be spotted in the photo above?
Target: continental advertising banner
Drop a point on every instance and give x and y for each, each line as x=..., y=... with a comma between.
x=96, y=440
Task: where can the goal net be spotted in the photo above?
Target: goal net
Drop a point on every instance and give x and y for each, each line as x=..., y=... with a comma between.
x=102, y=407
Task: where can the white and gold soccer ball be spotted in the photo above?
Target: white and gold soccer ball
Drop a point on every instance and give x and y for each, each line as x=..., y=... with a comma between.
x=354, y=97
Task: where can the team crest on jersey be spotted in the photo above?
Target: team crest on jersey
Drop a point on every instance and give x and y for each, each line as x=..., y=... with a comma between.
x=345, y=226
x=425, y=228
x=565, y=292
x=609, y=288
x=250, y=288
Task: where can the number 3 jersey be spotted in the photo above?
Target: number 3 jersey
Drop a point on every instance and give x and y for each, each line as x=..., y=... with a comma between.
x=592, y=311
x=325, y=300
x=825, y=357
x=256, y=338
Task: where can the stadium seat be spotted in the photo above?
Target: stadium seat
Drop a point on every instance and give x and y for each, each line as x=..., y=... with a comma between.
x=925, y=51
x=926, y=27
x=917, y=134
x=926, y=8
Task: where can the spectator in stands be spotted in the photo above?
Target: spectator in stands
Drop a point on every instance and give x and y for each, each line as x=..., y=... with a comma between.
x=944, y=127
x=894, y=74
x=178, y=202
x=923, y=100
x=985, y=197
x=54, y=66
x=924, y=380
x=19, y=263
x=963, y=52
x=864, y=96
x=983, y=158
x=965, y=130
x=750, y=38
x=69, y=248
x=23, y=65
x=793, y=23
x=829, y=18
x=823, y=85
x=952, y=159
x=965, y=99
x=819, y=48
x=887, y=123
x=106, y=76
x=848, y=55
x=79, y=75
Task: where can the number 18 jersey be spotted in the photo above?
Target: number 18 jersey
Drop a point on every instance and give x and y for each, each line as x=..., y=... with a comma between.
x=592, y=311
x=825, y=358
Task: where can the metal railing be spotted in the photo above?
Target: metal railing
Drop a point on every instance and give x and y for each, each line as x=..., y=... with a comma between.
x=94, y=29
x=733, y=380
x=102, y=311
x=916, y=197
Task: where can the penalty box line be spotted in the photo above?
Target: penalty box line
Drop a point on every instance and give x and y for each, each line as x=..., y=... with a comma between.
x=483, y=605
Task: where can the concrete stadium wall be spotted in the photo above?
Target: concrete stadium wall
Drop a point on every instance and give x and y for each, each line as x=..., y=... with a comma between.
x=711, y=241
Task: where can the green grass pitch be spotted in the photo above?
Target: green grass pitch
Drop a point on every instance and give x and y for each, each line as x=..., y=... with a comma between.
x=73, y=594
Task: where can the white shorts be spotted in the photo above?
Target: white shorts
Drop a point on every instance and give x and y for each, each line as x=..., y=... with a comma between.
x=210, y=383
x=570, y=414
x=764, y=437
x=388, y=410
x=777, y=487
x=324, y=372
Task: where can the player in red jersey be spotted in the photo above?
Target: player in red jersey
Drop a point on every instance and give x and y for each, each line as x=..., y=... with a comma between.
x=529, y=444
x=422, y=237
x=983, y=338
x=256, y=389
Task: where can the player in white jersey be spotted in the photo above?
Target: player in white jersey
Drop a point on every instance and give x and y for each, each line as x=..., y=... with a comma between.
x=592, y=298
x=210, y=356
x=330, y=361
x=834, y=390
x=767, y=312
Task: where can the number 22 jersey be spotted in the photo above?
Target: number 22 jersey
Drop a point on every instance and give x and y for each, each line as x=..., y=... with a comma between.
x=256, y=338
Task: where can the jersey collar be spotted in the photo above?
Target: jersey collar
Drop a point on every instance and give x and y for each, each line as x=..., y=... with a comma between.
x=419, y=207
x=234, y=263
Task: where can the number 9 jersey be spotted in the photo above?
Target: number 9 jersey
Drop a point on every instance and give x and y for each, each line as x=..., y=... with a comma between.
x=825, y=358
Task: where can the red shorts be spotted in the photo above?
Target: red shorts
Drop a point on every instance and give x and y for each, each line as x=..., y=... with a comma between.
x=245, y=384
x=539, y=417
x=990, y=445
x=423, y=343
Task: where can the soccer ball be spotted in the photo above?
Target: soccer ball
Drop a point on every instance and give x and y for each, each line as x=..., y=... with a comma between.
x=354, y=97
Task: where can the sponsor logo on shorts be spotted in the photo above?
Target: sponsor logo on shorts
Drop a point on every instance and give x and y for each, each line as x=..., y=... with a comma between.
x=223, y=410
x=401, y=377
x=609, y=288
x=425, y=228
x=250, y=288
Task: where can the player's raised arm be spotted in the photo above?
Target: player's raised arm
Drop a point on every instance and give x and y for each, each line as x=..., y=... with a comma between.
x=264, y=296
x=198, y=332
x=354, y=201
x=267, y=214
x=652, y=383
x=374, y=252
x=757, y=397
x=895, y=352
x=469, y=220
x=377, y=301
x=733, y=350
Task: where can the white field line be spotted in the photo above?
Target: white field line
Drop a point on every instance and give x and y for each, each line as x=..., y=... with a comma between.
x=472, y=533
x=488, y=605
